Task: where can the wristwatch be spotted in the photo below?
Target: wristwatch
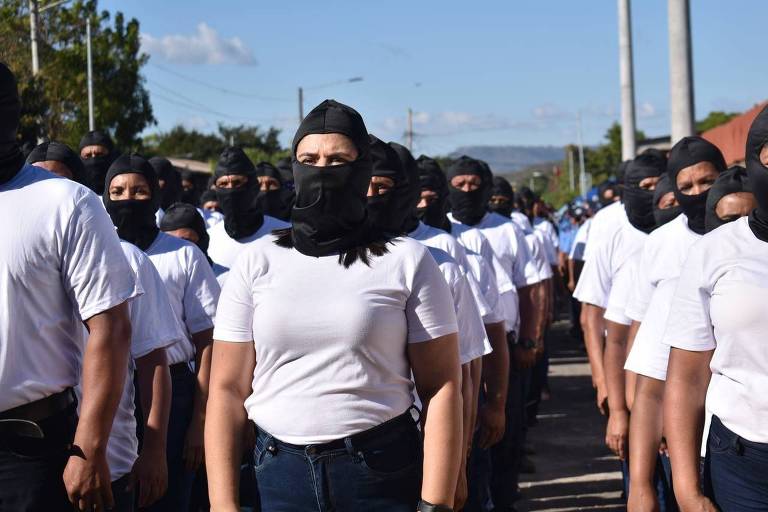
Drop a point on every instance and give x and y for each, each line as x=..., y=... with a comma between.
x=527, y=343
x=425, y=506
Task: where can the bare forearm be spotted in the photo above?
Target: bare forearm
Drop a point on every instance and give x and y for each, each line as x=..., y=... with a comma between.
x=442, y=432
x=495, y=366
x=645, y=430
x=203, y=348
x=630, y=378
x=593, y=326
x=613, y=364
x=154, y=380
x=476, y=372
x=467, y=394
x=224, y=426
x=529, y=315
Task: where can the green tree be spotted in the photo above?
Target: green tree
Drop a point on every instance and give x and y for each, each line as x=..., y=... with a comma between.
x=715, y=118
x=56, y=101
x=251, y=137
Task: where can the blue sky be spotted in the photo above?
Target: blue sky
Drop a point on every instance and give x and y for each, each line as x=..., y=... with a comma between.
x=492, y=72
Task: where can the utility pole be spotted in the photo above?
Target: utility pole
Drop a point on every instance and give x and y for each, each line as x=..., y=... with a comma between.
x=680, y=70
x=301, y=104
x=91, y=123
x=582, y=177
x=33, y=17
x=571, y=177
x=410, y=130
x=627, y=82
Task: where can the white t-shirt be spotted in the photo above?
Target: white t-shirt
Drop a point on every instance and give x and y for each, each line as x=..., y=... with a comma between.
x=485, y=279
x=153, y=326
x=664, y=252
x=331, y=341
x=473, y=341
x=624, y=251
x=579, y=244
x=224, y=250
x=720, y=305
x=536, y=241
x=211, y=218
x=649, y=356
x=548, y=229
x=60, y=264
x=192, y=289
x=604, y=224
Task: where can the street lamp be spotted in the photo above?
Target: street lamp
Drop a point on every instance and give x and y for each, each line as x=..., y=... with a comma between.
x=322, y=86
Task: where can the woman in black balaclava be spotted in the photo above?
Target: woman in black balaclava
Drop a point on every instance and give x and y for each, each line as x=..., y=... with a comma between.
x=11, y=158
x=468, y=196
x=432, y=209
x=502, y=197
x=730, y=198
x=97, y=151
x=271, y=195
x=665, y=206
x=59, y=159
x=640, y=180
x=339, y=306
x=716, y=328
x=694, y=165
x=169, y=180
x=388, y=201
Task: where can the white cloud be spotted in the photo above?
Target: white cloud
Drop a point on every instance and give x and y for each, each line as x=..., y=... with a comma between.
x=205, y=46
x=647, y=110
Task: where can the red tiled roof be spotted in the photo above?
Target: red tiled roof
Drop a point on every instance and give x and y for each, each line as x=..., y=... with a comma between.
x=731, y=137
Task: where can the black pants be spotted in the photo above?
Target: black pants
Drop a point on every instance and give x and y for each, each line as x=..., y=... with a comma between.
x=31, y=469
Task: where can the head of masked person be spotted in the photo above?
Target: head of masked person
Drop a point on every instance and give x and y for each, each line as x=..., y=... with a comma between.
x=237, y=188
x=11, y=157
x=58, y=159
x=169, y=180
x=388, y=201
x=607, y=193
x=469, y=189
x=526, y=200
x=621, y=171
x=693, y=166
x=332, y=170
x=412, y=191
x=729, y=199
x=189, y=192
x=665, y=206
x=757, y=170
x=209, y=200
x=270, y=196
x=432, y=208
x=97, y=151
x=182, y=220
x=286, y=174
x=132, y=197
x=640, y=179
x=502, y=197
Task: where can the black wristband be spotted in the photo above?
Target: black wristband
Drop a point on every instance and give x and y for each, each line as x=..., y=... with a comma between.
x=527, y=343
x=425, y=506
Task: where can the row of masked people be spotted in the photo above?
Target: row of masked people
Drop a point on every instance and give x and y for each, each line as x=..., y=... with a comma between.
x=673, y=289
x=329, y=330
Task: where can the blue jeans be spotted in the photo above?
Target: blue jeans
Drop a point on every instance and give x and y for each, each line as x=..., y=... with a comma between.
x=376, y=471
x=735, y=471
x=180, y=480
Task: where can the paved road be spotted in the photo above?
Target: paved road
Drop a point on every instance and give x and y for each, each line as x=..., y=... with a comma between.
x=575, y=471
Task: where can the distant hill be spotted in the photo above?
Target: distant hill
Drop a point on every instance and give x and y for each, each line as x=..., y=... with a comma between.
x=510, y=159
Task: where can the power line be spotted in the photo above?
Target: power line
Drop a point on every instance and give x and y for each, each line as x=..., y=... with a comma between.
x=198, y=109
x=218, y=88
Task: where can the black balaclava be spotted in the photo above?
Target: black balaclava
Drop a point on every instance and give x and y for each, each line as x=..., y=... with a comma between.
x=97, y=166
x=330, y=214
x=134, y=218
x=664, y=187
x=209, y=195
x=190, y=195
x=288, y=189
x=621, y=170
x=11, y=157
x=732, y=181
x=525, y=200
x=431, y=177
x=273, y=201
x=183, y=215
x=607, y=187
x=687, y=152
x=388, y=211
x=58, y=152
x=758, y=174
x=469, y=207
x=171, y=191
x=638, y=202
x=501, y=187
x=243, y=215
x=412, y=190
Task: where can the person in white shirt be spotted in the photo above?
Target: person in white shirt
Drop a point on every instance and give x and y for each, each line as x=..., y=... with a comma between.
x=731, y=198
x=58, y=159
x=97, y=152
x=61, y=266
x=131, y=197
x=694, y=165
x=184, y=221
x=209, y=208
x=239, y=189
x=716, y=330
x=318, y=330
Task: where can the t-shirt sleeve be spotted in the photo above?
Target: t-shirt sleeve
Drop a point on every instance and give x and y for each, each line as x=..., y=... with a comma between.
x=94, y=269
x=153, y=323
x=643, y=288
x=595, y=280
x=429, y=309
x=525, y=271
x=201, y=293
x=234, y=316
x=472, y=338
x=689, y=325
x=615, y=309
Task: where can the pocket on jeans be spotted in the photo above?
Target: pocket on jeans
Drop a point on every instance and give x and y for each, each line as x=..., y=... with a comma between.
x=718, y=444
x=401, y=455
x=264, y=452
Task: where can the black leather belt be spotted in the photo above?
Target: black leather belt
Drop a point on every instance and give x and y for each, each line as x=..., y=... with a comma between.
x=41, y=409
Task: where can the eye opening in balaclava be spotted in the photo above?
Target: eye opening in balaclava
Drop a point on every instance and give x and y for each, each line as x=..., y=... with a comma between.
x=638, y=202
x=134, y=218
x=469, y=207
x=243, y=215
x=389, y=210
x=732, y=181
x=664, y=215
x=688, y=152
x=503, y=190
x=58, y=152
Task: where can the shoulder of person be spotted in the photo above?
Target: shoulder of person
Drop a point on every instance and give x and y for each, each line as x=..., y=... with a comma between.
x=273, y=223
